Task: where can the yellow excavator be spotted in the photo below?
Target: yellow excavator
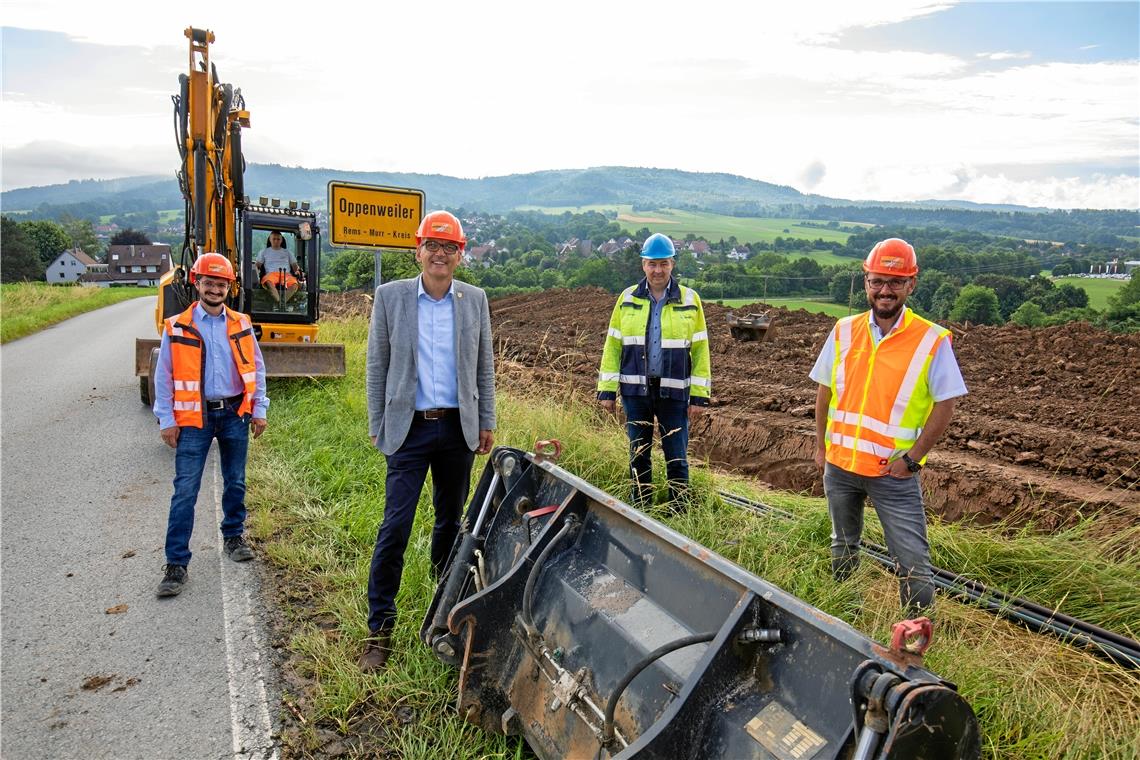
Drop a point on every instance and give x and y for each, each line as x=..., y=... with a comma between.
x=209, y=117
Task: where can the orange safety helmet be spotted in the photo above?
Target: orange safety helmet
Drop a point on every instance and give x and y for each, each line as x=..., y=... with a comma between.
x=212, y=265
x=893, y=256
x=441, y=225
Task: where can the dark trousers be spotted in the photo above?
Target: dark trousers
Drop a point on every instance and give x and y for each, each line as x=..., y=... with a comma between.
x=232, y=433
x=440, y=445
x=672, y=418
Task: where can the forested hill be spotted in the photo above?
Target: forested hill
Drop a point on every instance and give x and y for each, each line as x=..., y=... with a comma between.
x=644, y=189
x=563, y=187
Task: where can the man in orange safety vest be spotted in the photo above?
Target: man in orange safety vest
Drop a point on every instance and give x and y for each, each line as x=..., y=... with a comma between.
x=888, y=383
x=209, y=383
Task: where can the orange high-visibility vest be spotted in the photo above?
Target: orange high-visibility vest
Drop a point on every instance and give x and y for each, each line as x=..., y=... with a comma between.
x=880, y=394
x=188, y=364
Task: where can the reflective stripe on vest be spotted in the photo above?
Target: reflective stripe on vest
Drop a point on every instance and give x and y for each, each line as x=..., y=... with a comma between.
x=188, y=364
x=880, y=398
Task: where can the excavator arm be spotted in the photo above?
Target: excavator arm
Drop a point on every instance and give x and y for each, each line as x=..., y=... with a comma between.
x=209, y=116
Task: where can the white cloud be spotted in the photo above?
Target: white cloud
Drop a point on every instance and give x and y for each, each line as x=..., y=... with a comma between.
x=473, y=90
x=1004, y=55
x=50, y=162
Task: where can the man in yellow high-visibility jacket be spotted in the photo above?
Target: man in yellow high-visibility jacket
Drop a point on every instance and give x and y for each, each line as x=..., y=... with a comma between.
x=888, y=383
x=657, y=355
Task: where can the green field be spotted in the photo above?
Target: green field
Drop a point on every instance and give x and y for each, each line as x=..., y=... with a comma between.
x=711, y=227
x=1098, y=290
x=164, y=217
x=815, y=307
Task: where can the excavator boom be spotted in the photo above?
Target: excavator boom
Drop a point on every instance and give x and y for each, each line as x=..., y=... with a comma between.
x=209, y=117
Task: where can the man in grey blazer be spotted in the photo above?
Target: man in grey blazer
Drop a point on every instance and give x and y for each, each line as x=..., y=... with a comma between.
x=430, y=385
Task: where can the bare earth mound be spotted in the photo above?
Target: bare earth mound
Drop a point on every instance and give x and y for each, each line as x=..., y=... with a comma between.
x=1050, y=431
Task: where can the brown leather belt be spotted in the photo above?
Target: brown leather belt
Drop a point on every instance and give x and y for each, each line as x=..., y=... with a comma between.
x=435, y=414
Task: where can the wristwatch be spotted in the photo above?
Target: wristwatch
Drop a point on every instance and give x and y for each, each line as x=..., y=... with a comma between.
x=911, y=465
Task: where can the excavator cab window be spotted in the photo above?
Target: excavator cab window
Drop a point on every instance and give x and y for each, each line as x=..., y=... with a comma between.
x=280, y=273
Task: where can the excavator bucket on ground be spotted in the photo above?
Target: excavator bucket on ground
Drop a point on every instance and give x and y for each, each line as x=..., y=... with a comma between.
x=595, y=631
x=281, y=360
x=751, y=327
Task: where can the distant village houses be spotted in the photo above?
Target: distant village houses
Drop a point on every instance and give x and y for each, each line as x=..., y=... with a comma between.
x=699, y=248
x=70, y=265
x=613, y=245
x=483, y=255
x=574, y=246
x=141, y=265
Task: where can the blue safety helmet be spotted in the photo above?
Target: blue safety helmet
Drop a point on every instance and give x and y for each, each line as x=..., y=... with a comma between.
x=658, y=246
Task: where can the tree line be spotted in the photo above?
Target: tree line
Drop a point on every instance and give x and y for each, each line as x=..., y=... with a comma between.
x=30, y=246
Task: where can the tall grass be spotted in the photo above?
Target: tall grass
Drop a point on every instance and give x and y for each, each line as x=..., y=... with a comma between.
x=316, y=496
x=27, y=307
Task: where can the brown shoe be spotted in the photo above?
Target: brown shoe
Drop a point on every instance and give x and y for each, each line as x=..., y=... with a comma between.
x=377, y=648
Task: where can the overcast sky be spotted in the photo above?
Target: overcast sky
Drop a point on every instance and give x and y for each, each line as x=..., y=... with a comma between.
x=1032, y=103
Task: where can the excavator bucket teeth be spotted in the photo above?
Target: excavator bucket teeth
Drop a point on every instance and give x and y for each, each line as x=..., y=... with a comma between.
x=593, y=630
x=303, y=359
x=281, y=359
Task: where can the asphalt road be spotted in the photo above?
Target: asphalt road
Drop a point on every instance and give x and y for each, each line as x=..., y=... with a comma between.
x=85, y=484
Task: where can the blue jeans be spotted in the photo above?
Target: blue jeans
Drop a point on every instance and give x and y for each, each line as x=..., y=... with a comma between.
x=435, y=444
x=673, y=422
x=899, y=506
x=232, y=433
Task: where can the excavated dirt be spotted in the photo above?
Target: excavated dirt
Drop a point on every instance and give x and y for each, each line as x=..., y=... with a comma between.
x=1049, y=432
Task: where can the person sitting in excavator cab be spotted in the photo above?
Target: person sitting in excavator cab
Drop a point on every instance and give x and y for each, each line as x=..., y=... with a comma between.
x=280, y=272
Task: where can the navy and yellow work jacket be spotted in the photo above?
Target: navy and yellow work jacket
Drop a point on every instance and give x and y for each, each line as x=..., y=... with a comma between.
x=685, y=372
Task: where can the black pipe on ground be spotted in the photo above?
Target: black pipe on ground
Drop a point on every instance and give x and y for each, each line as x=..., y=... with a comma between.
x=1038, y=618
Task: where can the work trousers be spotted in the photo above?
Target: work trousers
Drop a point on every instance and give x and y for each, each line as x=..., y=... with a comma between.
x=440, y=446
x=899, y=506
x=672, y=417
x=232, y=433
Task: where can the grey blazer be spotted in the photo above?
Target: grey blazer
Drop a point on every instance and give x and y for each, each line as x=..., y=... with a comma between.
x=390, y=380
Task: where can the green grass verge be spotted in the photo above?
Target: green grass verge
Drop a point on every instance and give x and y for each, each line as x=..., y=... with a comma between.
x=27, y=307
x=316, y=498
x=1098, y=289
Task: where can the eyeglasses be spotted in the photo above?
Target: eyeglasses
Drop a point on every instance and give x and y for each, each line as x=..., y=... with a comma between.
x=434, y=246
x=895, y=283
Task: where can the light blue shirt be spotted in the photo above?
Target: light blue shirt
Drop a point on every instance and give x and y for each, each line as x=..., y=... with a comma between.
x=944, y=377
x=437, y=379
x=220, y=379
x=653, y=334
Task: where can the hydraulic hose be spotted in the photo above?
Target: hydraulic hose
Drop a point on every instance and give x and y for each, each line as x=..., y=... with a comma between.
x=568, y=527
x=640, y=665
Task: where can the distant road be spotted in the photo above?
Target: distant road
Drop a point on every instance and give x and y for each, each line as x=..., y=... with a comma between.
x=85, y=484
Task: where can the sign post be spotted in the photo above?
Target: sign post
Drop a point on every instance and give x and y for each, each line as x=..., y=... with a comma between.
x=373, y=216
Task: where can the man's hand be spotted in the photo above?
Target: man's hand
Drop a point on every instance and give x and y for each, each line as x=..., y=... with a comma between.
x=170, y=436
x=897, y=469
x=609, y=406
x=695, y=412
x=257, y=426
x=373, y=439
x=486, y=441
x=820, y=457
